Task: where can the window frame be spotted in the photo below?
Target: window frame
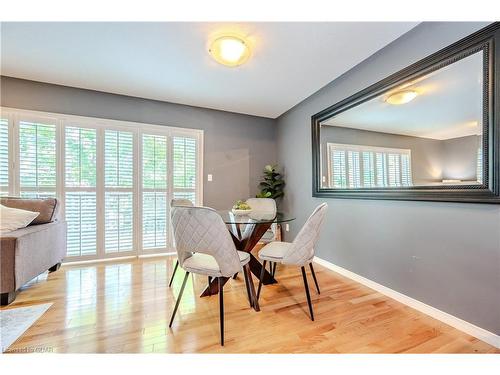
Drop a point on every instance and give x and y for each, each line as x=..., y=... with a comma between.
x=360, y=149
x=61, y=121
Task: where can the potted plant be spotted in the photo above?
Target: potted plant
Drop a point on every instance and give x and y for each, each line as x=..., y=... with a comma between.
x=272, y=184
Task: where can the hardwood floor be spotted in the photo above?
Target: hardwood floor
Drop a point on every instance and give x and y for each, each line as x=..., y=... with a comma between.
x=125, y=307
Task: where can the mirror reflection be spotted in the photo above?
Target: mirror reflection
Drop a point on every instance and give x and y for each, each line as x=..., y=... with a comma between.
x=425, y=132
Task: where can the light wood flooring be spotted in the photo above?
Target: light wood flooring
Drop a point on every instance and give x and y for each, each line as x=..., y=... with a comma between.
x=125, y=306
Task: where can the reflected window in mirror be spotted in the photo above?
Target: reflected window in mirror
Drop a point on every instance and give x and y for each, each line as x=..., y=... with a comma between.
x=424, y=132
x=359, y=166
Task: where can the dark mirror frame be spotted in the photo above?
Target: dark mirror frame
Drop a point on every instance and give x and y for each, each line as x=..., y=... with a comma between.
x=486, y=40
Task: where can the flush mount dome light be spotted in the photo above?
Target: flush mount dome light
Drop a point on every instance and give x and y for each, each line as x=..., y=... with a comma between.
x=401, y=97
x=229, y=50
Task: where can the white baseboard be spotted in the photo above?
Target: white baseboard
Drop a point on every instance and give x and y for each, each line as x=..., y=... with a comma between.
x=462, y=325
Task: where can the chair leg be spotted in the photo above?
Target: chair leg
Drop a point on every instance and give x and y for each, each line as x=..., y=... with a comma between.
x=306, y=286
x=262, y=273
x=221, y=309
x=314, y=277
x=178, y=299
x=274, y=268
x=173, y=273
x=271, y=267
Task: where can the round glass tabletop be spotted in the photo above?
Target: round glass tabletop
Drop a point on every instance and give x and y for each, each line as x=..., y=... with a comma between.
x=254, y=217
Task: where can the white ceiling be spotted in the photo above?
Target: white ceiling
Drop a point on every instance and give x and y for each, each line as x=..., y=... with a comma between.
x=169, y=61
x=449, y=105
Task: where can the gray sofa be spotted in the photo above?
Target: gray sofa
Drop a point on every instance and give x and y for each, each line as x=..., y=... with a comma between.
x=26, y=253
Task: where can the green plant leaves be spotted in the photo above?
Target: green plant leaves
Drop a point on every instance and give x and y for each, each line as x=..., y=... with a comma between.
x=272, y=184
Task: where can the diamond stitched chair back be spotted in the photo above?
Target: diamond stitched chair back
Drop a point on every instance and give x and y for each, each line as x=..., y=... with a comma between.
x=178, y=202
x=204, y=246
x=181, y=202
x=300, y=252
x=201, y=230
x=262, y=204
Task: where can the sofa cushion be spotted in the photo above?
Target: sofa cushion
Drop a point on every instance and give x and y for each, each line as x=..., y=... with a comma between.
x=46, y=207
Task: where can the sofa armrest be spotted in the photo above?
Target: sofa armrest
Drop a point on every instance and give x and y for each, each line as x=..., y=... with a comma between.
x=36, y=249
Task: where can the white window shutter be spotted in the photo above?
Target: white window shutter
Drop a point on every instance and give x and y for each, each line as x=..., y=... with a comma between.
x=4, y=157
x=37, y=159
x=358, y=166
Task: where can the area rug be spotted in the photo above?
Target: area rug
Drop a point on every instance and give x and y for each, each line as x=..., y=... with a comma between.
x=14, y=322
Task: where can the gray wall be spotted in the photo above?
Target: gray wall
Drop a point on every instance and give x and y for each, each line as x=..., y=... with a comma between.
x=237, y=147
x=444, y=254
x=426, y=153
x=460, y=157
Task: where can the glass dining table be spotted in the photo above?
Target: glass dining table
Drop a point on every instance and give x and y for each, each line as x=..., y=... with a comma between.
x=246, y=231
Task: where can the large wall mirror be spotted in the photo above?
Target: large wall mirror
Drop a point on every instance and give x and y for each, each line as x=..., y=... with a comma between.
x=429, y=132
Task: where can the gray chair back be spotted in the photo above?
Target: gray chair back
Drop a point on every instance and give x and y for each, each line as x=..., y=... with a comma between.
x=302, y=250
x=201, y=230
x=264, y=205
x=181, y=202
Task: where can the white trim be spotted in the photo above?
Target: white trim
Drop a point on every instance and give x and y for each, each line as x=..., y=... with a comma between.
x=462, y=325
x=121, y=258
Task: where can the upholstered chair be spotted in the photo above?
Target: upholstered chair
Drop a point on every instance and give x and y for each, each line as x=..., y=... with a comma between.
x=265, y=205
x=300, y=252
x=177, y=203
x=262, y=204
x=204, y=246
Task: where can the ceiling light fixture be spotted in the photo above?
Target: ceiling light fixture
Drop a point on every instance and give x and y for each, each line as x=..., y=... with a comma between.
x=230, y=50
x=401, y=97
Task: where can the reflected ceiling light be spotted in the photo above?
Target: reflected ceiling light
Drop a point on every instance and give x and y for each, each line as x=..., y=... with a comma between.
x=230, y=50
x=402, y=97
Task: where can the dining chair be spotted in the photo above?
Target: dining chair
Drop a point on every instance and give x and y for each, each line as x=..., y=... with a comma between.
x=265, y=205
x=178, y=203
x=204, y=246
x=300, y=252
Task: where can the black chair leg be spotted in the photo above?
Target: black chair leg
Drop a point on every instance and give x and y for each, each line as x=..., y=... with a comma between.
x=262, y=273
x=271, y=268
x=173, y=273
x=221, y=309
x=314, y=277
x=178, y=299
x=274, y=268
x=306, y=286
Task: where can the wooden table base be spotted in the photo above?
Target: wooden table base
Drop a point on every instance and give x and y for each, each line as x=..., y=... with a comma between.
x=245, y=242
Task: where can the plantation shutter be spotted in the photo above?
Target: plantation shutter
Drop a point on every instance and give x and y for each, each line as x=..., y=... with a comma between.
x=357, y=166
x=37, y=159
x=369, y=169
x=80, y=184
x=354, y=172
x=339, y=168
x=4, y=157
x=118, y=196
x=154, y=191
x=185, y=151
